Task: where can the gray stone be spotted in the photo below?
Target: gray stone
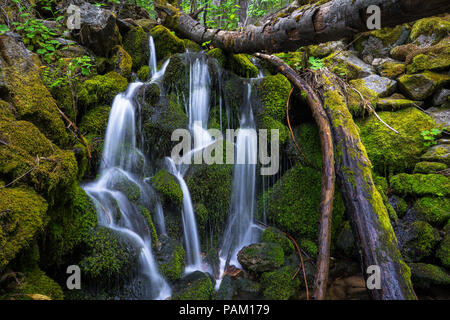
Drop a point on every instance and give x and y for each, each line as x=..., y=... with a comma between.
x=441, y=97
x=352, y=62
x=439, y=153
x=381, y=85
x=441, y=116
x=422, y=85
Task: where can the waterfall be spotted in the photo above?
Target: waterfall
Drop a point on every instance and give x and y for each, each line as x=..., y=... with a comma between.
x=241, y=230
x=152, y=60
x=119, y=168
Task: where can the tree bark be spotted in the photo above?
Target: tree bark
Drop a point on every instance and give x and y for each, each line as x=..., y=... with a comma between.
x=307, y=25
x=328, y=174
x=368, y=215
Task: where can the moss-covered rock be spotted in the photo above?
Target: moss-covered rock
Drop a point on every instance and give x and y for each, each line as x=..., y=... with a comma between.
x=392, y=69
x=95, y=121
x=274, y=235
x=425, y=276
x=122, y=61
x=144, y=73
x=345, y=241
x=429, y=167
x=151, y=226
x=422, y=85
x=278, y=284
x=378, y=42
x=22, y=216
x=101, y=89
x=166, y=42
x=436, y=58
x=171, y=258
x=430, y=30
x=191, y=45
x=419, y=241
x=443, y=253
x=38, y=283
x=273, y=92
x=211, y=199
x=242, y=66
x=391, y=152
x=194, y=286
x=434, y=210
x=135, y=42
x=440, y=153
x=219, y=55
x=420, y=184
x=261, y=257
x=176, y=76
x=167, y=187
x=348, y=65
x=322, y=50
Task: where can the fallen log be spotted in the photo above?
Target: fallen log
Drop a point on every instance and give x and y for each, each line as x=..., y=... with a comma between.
x=328, y=175
x=369, y=218
x=309, y=24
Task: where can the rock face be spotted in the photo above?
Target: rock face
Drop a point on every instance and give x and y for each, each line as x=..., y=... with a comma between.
x=261, y=257
x=382, y=86
x=440, y=153
x=99, y=31
x=194, y=286
x=422, y=85
x=441, y=116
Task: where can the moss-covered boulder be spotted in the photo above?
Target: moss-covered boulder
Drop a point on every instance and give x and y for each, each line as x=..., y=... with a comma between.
x=101, y=89
x=428, y=31
x=219, y=55
x=135, y=42
x=322, y=50
x=346, y=63
x=95, y=121
x=37, y=285
x=122, y=61
x=429, y=167
x=389, y=151
x=242, y=66
x=391, y=69
x=420, y=184
x=171, y=258
x=377, y=43
x=144, y=73
x=443, y=252
x=167, y=187
x=273, y=235
x=435, y=59
x=166, y=42
x=191, y=45
x=422, y=85
x=22, y=217
x=395, y=104
x=427, y=276
x=434, y=210
x=261, y=257
x=194, y=286
x=418, y=240
x=278, y=284
x=273, y=92
x=440, y=153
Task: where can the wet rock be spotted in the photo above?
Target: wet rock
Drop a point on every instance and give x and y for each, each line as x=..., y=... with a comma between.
x=261, y=257
x=346, y=241
x=170, y=257
x=248, y=289
x=226, y=290
x=380, y=86
x=441, y=116
x=346, y=62
x=434, y=58
x=443, y=252
x=416, y=239
x=389, y=68
x=99, y=31
x=421, y=86
x=398, y=204
x=440, y=97
x=324, y=49
x=439, y=153
x=428, y=31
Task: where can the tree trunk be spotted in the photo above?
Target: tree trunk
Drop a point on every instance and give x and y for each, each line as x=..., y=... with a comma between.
x=307, y=25
x=368, y=215
x=328, y=175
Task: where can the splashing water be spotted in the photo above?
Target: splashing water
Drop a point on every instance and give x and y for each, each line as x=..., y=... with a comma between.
x=152, y=60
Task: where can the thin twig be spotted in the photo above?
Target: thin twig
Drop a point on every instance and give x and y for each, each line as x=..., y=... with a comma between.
x=23, y=175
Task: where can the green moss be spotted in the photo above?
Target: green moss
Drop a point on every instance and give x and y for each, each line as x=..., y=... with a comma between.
x=434, y=210
x=172, y=259
x=94, y=122
x=108, y=255
x=122, y=61
x=6, y=111
x=422, y=85
x=435, y=60
x=101, y=89
x=274, y=235
x=135, y=42
x=388, y=36
x=433, y=26
x=392, y=69
x=177, y=75
x=428, y=276
x=420, y=184
x=167, y=187
x=191, y=45
x=143, y=73
x=273, y=92
x=128, y=187
x=166, y=42
x=295, y=59
x=150, y=224
x=422, y=241
x=391, y=152
x=37, y=282
x=261, y=257
x=22, y=216
x=278, y=284
x=219, y=55
x=242, y=66
x=200, y=288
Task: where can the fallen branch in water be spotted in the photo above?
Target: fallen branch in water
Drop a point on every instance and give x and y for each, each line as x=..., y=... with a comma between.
x=328, y=174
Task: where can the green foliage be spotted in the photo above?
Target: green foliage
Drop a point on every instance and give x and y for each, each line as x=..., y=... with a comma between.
x=430, y=136
x=224, y=16
x=37, y=282
x=167, y=186
x=274, y=235
x=315, y=63
x=278, y=284
x=420, y=184
x=197, y=286
x=3, y=29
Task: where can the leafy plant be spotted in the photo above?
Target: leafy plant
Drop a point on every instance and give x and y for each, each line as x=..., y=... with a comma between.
x=3, y=29
x=315, y=63
x=224, y=16
x=430, y=136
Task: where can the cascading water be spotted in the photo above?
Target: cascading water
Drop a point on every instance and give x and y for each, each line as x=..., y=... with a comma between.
x=115, y=210
x=152, y=61
x=241, y=230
